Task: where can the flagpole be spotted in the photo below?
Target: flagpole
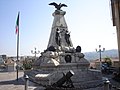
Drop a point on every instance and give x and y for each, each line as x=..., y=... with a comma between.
x=17, y=44
x=17, y=51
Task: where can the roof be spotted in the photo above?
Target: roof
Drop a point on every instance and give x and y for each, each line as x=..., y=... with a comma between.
x=9, y=61
x=113, y=60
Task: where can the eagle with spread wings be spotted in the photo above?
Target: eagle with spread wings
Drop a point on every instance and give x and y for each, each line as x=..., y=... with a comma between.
x=58, y=6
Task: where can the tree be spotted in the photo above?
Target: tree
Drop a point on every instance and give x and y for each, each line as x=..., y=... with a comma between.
x=108, y=61
x=27, y=64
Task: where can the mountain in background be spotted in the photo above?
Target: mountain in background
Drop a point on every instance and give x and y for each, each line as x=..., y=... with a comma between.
x=113, y=53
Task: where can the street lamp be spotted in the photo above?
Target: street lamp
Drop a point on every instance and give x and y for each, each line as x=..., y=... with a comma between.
x=100, y=51
x=35, y=52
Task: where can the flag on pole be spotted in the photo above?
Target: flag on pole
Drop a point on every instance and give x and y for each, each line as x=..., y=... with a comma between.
x=17, y=24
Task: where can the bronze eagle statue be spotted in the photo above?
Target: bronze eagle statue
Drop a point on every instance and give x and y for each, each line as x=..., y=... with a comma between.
x=58, y=6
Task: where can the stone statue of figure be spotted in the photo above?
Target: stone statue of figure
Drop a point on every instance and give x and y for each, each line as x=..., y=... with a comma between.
x=57, y=37
x=58, y=6
x=67, y=38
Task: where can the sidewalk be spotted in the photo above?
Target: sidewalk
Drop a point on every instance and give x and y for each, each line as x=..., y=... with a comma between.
x=8, y=81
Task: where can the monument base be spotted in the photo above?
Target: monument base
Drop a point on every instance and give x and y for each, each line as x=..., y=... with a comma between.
x=83, y=78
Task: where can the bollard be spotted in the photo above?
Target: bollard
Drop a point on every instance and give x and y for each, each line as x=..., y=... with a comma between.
x=26, y=82
x=106, y=84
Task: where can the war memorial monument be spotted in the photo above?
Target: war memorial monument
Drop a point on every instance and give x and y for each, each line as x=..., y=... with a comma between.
x=61, y=64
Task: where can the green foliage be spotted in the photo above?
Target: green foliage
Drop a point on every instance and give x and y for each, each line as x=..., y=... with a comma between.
x=27, y=64
x=108, y=61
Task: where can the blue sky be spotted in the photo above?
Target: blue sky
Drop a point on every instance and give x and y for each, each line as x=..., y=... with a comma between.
x=89, y=22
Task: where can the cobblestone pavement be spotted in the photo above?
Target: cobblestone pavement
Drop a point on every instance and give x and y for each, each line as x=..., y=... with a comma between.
x=8, y=82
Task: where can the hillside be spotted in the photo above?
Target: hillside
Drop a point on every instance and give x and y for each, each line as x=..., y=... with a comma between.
x=95, y=55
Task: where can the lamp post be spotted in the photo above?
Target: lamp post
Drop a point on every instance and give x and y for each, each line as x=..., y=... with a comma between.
x=100, y=51
x=35, y=52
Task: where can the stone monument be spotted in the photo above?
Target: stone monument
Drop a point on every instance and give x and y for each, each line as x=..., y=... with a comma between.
x=61, y=57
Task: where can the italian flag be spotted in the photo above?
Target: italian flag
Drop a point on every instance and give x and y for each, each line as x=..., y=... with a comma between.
x=17, y=25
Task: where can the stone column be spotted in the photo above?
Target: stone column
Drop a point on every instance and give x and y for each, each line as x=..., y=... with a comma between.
x=115, y=4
